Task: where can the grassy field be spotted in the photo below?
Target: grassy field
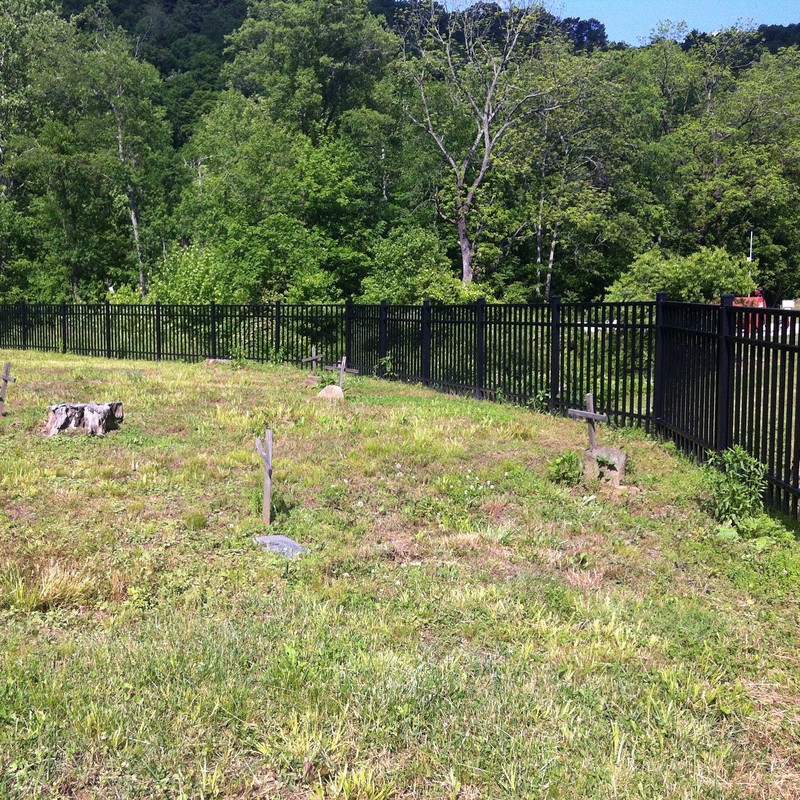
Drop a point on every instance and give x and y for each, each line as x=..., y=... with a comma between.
x=463, y=627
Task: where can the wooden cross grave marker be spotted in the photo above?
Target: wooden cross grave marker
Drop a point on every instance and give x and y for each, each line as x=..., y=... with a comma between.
x=590, y=417
x=5, y=379
x=313, y=359
x=342, y=367
x=265, y=451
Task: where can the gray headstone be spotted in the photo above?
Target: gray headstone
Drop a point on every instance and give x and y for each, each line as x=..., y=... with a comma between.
x=283, y=545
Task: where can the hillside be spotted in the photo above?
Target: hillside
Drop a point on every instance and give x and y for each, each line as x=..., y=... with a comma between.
x=462, y=627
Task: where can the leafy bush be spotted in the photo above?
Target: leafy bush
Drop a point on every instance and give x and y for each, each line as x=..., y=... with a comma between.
x=700, y=277
x=199, y=275
x=565, y=469
x=411, y=265
x=736, y=483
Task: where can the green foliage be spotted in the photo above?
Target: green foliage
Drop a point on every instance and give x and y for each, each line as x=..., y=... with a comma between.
x=566, y=469
x=736, y=483
x=700, y=277
x=124, y=295
x=199, y=275
x=764, y=527
x=309, y=60
x=319, y=171
x=411, y=266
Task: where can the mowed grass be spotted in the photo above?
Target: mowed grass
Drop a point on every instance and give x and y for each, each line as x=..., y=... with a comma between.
x=463, y=627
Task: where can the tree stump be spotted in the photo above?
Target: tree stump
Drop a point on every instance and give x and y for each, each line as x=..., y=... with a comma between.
x=95, y=418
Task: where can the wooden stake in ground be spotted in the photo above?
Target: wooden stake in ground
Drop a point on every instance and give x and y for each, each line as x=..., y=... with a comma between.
x=5, y=379
x=313, y=359
x=265, y=451
x=590, y=418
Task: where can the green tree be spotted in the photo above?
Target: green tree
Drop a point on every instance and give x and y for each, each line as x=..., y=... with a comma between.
x=309, y=60
x=411, y=265
x=474, y=77
x=700, y=277
x=86, y=155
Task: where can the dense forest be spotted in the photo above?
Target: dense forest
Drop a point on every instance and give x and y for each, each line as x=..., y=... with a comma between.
x=306, y=150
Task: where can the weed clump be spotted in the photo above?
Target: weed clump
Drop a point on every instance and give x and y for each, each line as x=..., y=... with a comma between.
x=736, y=483
x=565, y=469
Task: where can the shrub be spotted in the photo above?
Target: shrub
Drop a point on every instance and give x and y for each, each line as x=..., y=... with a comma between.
x=565, y=469
x=697, y=278
x=412, y=266
x=736, y=483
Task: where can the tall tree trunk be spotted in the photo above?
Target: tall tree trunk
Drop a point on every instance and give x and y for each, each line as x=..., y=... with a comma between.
x=137, y=241
x=123, y=160
x=551, y=262
x=466, y=250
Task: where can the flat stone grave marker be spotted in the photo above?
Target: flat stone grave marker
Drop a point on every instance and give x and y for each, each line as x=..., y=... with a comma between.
x=283, y=545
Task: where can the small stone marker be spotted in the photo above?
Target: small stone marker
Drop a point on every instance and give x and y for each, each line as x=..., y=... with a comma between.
x=332, y=392
x=95, y=418
x=265, y=451
x=282, y=545
x=5, y=379
x=599, y=462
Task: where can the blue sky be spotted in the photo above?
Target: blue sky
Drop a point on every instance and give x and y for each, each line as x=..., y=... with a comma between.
x=631, y=21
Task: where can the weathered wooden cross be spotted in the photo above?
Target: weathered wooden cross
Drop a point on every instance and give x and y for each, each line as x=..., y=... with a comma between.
x=313, y=359
x=590, y=417
x=342, y=367
x=5, y=379
x=265, y=451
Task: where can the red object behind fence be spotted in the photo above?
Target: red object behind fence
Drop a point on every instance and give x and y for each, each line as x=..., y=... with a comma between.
x=752, y=322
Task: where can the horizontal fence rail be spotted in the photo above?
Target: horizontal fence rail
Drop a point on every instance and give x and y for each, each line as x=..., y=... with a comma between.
x=705, y=376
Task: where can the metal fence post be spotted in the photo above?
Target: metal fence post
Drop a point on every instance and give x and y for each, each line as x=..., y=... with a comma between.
x=348, y=330
x=158, y=331
x=24, y=325
x=383, y=339
x=425, y=360
x=63, y=327
x=480, y=347
x=108, y=329
x=658, y=363
x=724, y=373
x=555, y=354
x=212, y=318
x=277, y=328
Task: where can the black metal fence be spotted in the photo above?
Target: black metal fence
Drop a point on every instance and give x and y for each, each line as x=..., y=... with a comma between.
x=704, y=376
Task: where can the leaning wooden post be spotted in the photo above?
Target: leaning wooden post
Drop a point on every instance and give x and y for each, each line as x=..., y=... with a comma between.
x=5, y=379
x=590, y=408
x=265, y=451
